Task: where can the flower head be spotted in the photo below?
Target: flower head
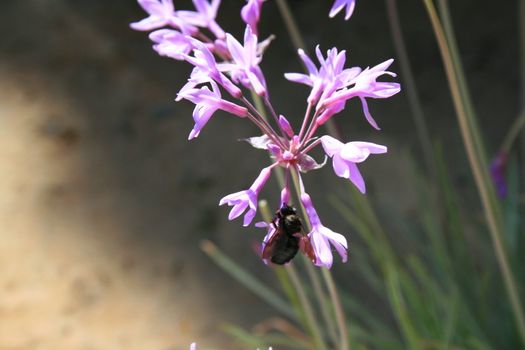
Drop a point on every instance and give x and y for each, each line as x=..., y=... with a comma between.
x=329, y=77
x=364, y=85
x=207, y=102
x=322, y=237
x=246, y=59
x=220, y=61
x=171, y=43
x=207, y=69
x=247, y=199
x=346, y=156
x=161, y=13
x=332, y=84
x=204, y=16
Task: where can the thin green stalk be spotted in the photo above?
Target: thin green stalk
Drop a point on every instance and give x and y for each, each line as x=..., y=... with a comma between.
x=344, y=342
x=322, y=298
x=338, y=308
x=315, y=330
x=298, y=42
x=398, y=304
x=291, y=26
x=410, y=86
x=283, y=275
x=521, y=45
x=298, y=291
x=448, y=29
x=484, y=186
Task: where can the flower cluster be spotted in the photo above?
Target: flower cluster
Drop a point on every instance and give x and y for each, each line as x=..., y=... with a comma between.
x=222, y=63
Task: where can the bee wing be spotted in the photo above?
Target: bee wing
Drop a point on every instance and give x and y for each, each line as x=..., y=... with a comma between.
x=269, y=241
x=306, y=247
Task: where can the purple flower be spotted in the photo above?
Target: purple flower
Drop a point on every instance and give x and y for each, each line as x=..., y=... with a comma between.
x=161, y=13
x=248, y=198
x=207, y=69
x=365, y=85
x=339, y=5
x=322, y=237
x=498, y=167
x=329, y=77
x=220, y=61
x=251, y=12
x=245, y=66
x=346, y=156
x=171, y=43
x=204, y=16
x=206, y=103
x=332, y=85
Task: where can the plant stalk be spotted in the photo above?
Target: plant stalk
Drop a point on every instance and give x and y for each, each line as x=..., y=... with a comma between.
x=344, y=342
x=482, y=180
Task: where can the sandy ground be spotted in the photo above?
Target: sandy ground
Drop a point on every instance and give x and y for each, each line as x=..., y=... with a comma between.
x=103, y=202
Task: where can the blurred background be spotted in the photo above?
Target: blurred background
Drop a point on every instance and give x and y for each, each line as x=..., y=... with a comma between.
x=104, y=202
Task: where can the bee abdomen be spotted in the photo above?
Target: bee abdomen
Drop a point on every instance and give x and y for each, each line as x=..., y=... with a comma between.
x=285, y=248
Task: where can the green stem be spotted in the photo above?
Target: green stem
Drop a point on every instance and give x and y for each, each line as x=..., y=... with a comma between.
x=291, y=26
x=457, y=66
x=344, y=343
x=298, y=293
x=481, y=177
x=410, y=86
x=307, y=308
x=521, y=45
x=338, y=308
x=320, y=295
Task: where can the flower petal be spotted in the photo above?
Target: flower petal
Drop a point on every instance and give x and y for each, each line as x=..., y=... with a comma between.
x=149, y=23
x=331, y=145
x=340, y=166
x=373, y=148
x=322, y=249
x=367, y=114
x=356, y=177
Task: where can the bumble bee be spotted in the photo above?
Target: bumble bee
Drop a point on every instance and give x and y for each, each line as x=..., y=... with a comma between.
x=288, y=238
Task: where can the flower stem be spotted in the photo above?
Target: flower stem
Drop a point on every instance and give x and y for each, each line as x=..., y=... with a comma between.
x=262, y=123
x=521, y=38
x=274, y=115
x=305, y=120
x=259, y=106
x=410, y=85
x=307, y=308
x=344, y=343
x=323, y=299
x=338, y=308
x=291, y=26
x=475, y=157
x=310, y=146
